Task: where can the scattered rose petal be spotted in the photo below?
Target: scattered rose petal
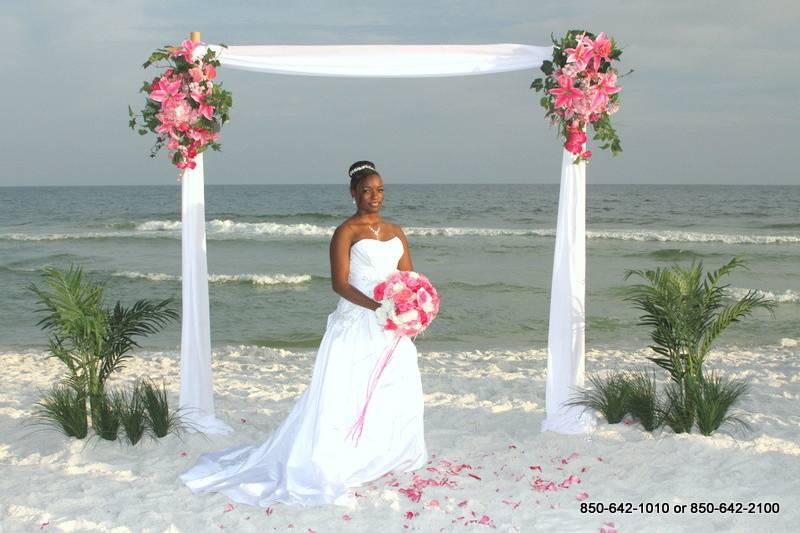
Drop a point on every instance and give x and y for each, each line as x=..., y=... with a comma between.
x=582, y=496
x=474, y=475
x=184, y=454
x=44, y=524
x=511, y=446
x=432, y=504
x=608, y=527
x=536, y=467
x=484, y=520
x=243, y=420
x=346, y=517
x=413, y=494
x=569, y=481
x=513, y=504
x=269, y=511
x=228, y=508
x=462, y=504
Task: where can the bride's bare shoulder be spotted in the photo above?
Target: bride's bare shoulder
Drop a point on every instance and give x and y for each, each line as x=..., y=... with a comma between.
x=344, y=231
x=396, y=229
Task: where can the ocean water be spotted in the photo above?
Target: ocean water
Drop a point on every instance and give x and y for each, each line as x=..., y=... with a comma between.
x=487, y=248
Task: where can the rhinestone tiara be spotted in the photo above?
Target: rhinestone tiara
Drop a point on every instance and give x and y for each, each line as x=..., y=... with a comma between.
x=362, y=167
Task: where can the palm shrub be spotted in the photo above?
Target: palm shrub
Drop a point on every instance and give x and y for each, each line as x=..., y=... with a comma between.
x=132, y=413
x=65, y=409
x=92, y=340
x=606, y=395
x=715, y=396
x=687, y=311
x=160, y=419
x=106, y=423
x=641, y=399
x=677, y=409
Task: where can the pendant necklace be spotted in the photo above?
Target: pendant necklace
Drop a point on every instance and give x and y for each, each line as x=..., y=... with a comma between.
x=375, y=231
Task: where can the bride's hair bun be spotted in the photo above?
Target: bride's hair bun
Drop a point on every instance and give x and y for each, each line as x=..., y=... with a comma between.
x=360, y=170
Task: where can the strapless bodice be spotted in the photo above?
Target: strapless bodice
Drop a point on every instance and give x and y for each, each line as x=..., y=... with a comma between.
x=371, y=261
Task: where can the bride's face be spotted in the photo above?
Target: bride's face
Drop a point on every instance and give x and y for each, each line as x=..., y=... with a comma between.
x=369, y=194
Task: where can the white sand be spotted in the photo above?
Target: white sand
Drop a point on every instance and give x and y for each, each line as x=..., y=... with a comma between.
x=483, y=410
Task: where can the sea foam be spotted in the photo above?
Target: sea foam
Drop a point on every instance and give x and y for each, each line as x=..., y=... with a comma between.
x=255, y=279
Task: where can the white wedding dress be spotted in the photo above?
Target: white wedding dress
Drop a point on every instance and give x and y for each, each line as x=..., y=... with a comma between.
x=309, y=459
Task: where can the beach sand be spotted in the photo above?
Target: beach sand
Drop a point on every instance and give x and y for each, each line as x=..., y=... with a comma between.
x=490, y=466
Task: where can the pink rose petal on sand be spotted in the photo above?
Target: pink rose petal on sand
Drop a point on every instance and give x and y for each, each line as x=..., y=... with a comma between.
x=346, y=517
x=484, y=520
x=432, y=504
x=184, y=454
x=243, y=420
x=536, y=467
x=608, y=527
x=44, y=525
x=462, y=504
x=269, y=511
x=475, y=476
x=228, y=508
x=582, y=496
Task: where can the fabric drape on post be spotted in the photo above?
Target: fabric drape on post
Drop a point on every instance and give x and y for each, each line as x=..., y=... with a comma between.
x=565, y=337
x=385, y=61
x=197, y=388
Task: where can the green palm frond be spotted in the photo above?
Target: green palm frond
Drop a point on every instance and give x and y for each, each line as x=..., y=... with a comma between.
x=686, y=312
x=124, y=324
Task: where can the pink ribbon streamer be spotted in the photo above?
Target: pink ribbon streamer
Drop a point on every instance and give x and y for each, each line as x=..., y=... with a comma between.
x=380, y=366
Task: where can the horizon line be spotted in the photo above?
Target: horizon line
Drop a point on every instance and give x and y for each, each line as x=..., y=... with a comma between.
x=401, y=183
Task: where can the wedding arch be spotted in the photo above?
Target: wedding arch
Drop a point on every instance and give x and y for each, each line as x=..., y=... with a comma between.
x=566, y=345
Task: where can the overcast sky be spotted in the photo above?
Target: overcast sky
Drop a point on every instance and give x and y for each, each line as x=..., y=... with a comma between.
x=713, y=99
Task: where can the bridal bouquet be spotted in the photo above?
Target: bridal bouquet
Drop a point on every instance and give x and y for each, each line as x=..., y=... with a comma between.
x=580, y=87
x=184, y=108
x=409, y=303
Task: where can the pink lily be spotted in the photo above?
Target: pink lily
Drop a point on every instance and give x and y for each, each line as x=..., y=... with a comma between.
x=566, y=94
x=186, y=50
x=167, y=92
x=606, y=86
x=580, y=55
x=602, y=49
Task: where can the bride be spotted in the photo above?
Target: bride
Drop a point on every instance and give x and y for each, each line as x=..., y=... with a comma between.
x=309, y=459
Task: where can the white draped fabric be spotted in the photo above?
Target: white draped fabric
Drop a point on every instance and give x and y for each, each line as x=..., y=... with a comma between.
x=197, y=388
x=565, y=337
x=567, y=313
x=385, y=61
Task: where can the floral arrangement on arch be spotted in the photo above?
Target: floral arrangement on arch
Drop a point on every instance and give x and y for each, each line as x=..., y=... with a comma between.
x=580, y=87
x=185, y=109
